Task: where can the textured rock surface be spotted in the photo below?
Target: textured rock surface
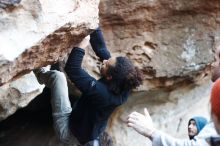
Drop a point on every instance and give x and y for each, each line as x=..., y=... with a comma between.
x=37, y=33
x=18, y=94
x=171, y=41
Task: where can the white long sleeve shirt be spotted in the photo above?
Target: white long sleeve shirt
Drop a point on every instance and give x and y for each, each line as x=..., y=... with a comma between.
x=163, y=139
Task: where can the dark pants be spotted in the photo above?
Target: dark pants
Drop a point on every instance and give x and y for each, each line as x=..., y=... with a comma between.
x=215, y=141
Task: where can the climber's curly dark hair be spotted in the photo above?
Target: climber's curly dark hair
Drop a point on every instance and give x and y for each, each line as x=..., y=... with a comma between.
x=125, y=76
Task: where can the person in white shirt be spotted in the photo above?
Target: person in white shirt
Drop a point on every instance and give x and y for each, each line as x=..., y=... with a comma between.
x=207, y=137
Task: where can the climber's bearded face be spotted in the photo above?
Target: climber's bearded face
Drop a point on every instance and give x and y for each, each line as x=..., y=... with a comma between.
x=106, y=64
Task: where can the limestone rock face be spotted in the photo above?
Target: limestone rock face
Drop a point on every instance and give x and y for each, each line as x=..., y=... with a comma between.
x=36, y=33
x=171, y=41
x=18, y=94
